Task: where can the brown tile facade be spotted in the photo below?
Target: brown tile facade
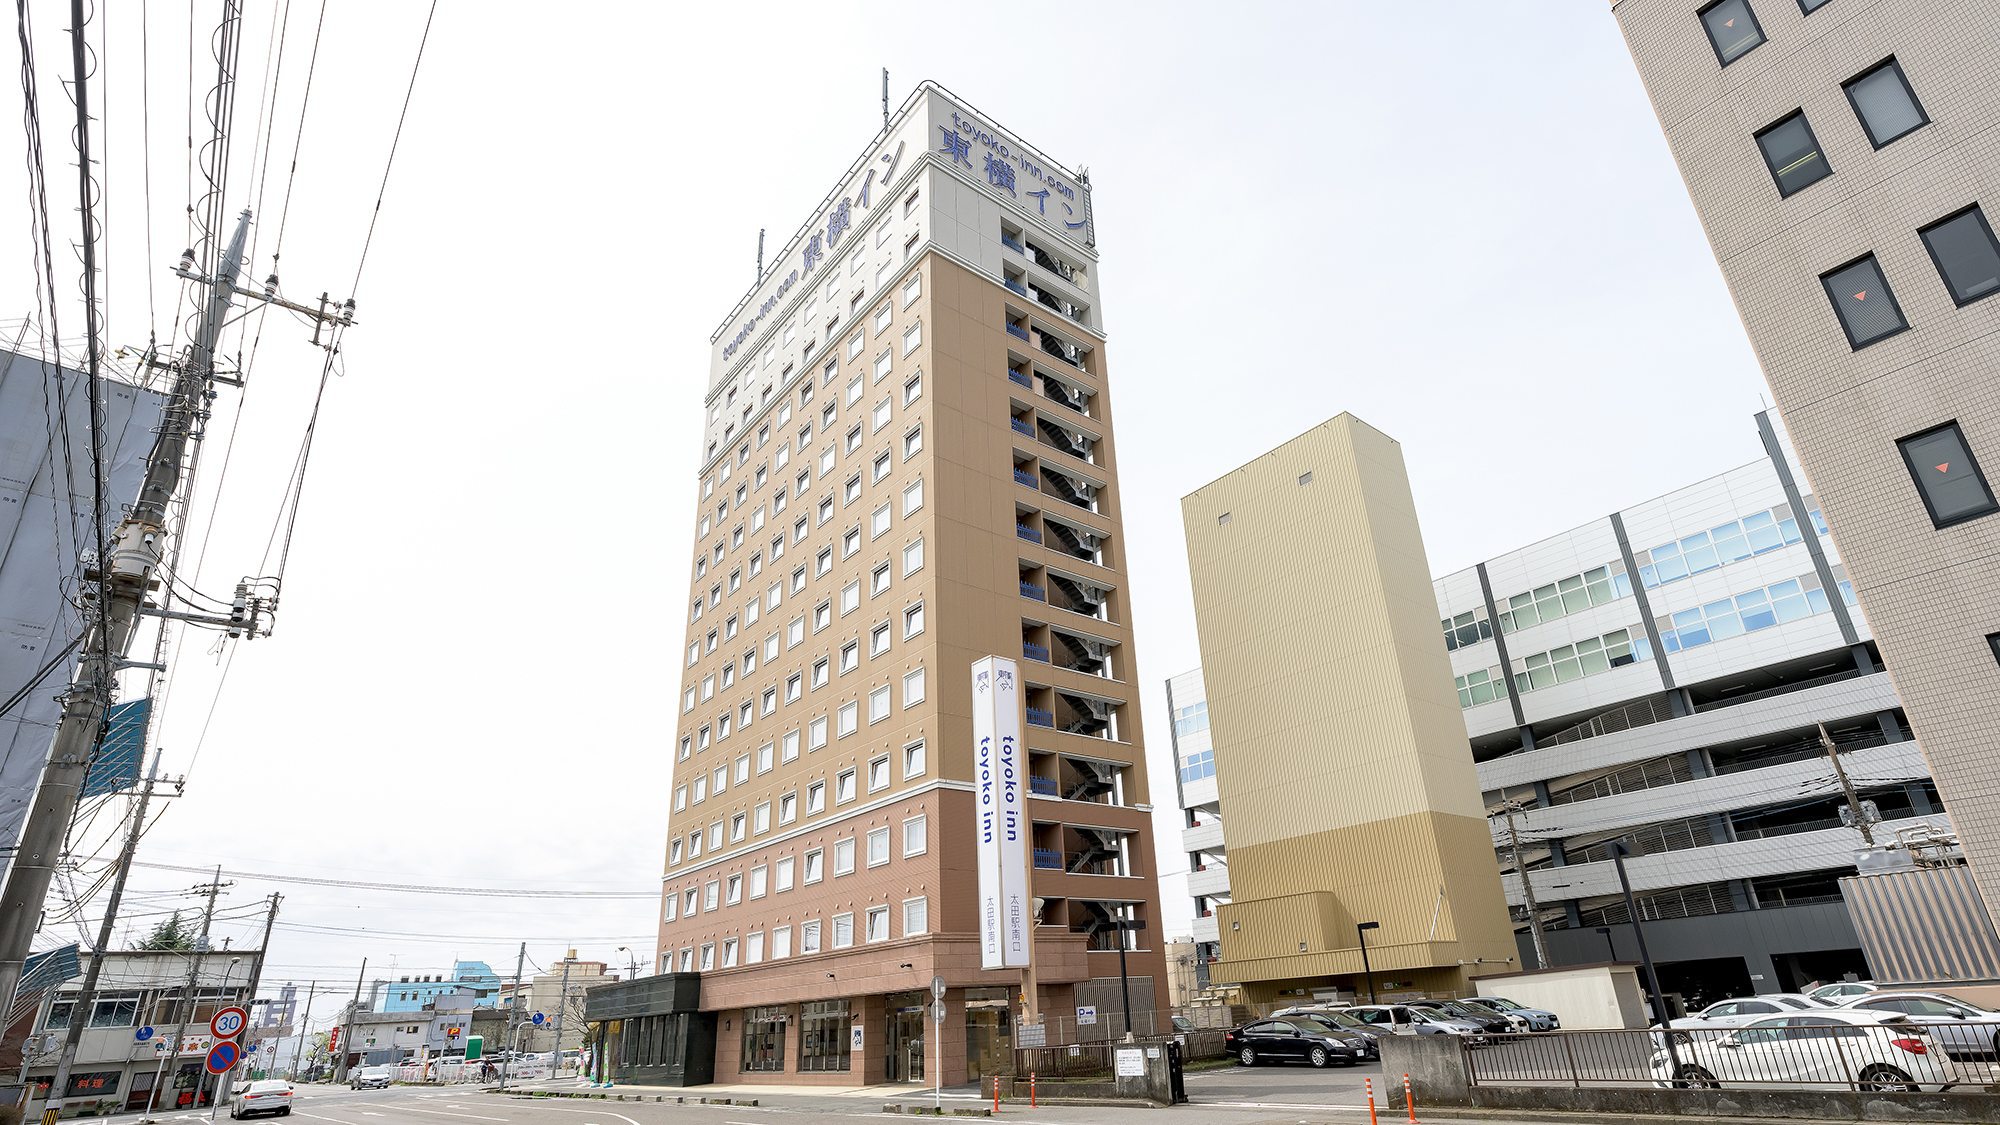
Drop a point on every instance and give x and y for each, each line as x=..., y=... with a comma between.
x=969, y=588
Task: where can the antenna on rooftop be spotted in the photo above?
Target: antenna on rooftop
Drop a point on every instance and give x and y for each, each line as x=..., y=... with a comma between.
x=885, y=99
x=760, y=253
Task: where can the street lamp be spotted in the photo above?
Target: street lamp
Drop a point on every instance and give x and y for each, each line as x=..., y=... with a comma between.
x=631, y=959
x=1361, y=931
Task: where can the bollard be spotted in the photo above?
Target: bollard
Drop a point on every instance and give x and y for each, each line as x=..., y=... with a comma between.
x=1409, y=1102
x=1369, y=1085
x=1031, y=1090
x=996, y=1093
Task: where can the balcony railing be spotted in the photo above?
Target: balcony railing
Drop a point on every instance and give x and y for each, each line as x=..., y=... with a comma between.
x=1012, y=245
x=1028, y=533
x=1022, y=427
x=1020, y=377
x=1046, y=786
x=1040, y=718
x=1030, y=590
x=1017, y=330
x=1023, y=476
x=1033, y=651
x=1048, y=859
x=1015, y=286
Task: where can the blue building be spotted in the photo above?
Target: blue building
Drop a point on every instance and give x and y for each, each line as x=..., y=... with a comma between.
x=414, y=994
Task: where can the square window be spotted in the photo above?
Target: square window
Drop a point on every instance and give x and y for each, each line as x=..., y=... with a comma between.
x=916, y=836
x=912, y=289
x=913, y=443
x=782, y=876
x=878, y=923
x=711, y=894
x=878, y=640
x=822, y=616
x=913, y=621
x=843, y=857
x=753, y=947
x=913, y=558
x=856, y=343
x=844, y=787
x=1792, y=154
x=878, y=522
x=738, y=828
x=734, y=895
x=854, y=390
x=913, y=389
x=1732, y=29
x=791, y=744
x=1966, y=254
x=815, y=867
x=1867, y=309
x=809, y=937
x=781, y=942
x=850, y=543
x=708, y=954
x=916, y=916
x=850, y=657
x=761, y=822
x=913, y=687
x=1946, y=476
x=883, y=364
x=913, y=496
x=788, y=811
x=878, y=709
x=765, y=753
x=878, y=847
x=883, y=316
x=878, y=581
x=913, y=337
x=816, y=734
x=850, y=597
x=851, y=491
x=742, y=769
x=883, y=411
x=1885, y=103
x=848, y=714
x=819, y=673
x=816, y=798
x=882, y=462
x=843, y=932
x=913, y=760
x=794, y=684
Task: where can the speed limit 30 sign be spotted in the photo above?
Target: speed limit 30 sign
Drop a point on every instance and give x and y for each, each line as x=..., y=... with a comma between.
x=228, y=1022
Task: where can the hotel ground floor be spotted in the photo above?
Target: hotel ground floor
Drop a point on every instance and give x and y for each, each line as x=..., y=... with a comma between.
x=832, y=1024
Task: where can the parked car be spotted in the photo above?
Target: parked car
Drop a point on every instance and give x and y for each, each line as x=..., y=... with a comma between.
x=1528, y=1019
x=1371, y=1047
x=268, y=1095
x=1402, y=1019
x=1726, y=1014
x=1292, y=1040
x=1868, y=1050
x=1840, y=991
x=1183, y=1025
x=1343, y=1018
x=1961, y=1029
x=1489, y=1020
x=371, y=1078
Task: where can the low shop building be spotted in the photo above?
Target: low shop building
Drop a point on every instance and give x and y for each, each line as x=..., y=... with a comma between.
x=650, y=1031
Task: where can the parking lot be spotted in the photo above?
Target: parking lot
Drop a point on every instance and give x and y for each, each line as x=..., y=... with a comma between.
x=1334, y=1088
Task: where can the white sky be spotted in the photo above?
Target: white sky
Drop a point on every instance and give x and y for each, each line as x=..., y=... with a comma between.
x=1457, y=220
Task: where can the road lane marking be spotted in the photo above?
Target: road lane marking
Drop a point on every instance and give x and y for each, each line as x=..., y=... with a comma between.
x=448, y=1113
x=604, y=1113
x=317, y=1117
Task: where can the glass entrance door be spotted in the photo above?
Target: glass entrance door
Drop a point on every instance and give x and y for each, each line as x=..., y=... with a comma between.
x=908, y=1012
x=989, y=1033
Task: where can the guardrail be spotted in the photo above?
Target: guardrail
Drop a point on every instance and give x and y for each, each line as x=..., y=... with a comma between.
x=1823, y=1053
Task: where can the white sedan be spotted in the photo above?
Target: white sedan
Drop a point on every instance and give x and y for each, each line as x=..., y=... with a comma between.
x=1836, y=1047
x=266, y=1095
x=1723, y=1015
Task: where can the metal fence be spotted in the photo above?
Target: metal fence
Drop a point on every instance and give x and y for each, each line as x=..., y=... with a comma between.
x=1822, y=1054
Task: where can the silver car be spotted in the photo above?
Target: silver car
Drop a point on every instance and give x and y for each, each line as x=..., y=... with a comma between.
x=1964, y=1030
x=1402, y=1019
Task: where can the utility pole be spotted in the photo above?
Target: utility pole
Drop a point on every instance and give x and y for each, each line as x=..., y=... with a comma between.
x=305, y=1029
x=80, y=1015
x=353, y=1013
x=228, y=1078
x=513, y=1016
x=562, y=1001
x=1512, y=806
x=173, y=1052
x=1846, y=786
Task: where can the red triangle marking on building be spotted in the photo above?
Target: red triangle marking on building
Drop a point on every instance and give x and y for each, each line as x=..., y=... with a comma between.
x=1861, y=296
x=1944, y=468
x=1729, y=23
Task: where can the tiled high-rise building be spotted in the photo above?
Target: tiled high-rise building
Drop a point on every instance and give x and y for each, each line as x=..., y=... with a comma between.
x=1845, y=162
x=908, y=465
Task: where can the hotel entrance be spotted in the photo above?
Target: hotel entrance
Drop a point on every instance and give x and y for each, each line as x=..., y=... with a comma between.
x=908, y=1012
x=989, y=1033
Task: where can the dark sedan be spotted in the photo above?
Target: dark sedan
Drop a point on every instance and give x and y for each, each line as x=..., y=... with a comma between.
x=1493, y=1022
x=1294, y=1040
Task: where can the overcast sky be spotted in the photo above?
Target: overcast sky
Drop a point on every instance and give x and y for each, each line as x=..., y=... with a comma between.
x=1459, y=223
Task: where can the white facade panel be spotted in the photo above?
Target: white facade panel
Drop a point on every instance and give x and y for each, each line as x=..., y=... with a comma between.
x=1592, y=693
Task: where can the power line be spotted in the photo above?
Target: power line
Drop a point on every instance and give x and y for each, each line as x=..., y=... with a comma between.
x=394, y=142
x=414, y=888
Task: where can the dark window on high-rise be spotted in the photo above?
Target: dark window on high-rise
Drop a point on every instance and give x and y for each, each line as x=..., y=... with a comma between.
x=1868, y=311
x=1732, y=29
x=1811, y=6
x=1966, y=254
x=1949, y=480
x=1885, y=103
x=1793, y=154
x=1993, y=642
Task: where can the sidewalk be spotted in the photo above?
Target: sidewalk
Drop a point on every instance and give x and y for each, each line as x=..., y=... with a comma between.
x=739, y=1091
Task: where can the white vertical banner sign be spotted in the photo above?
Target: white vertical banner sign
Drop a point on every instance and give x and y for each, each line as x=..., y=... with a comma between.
x=1001, y=820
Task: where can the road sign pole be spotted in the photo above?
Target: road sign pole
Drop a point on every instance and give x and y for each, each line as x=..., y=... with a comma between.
x=937, y=1037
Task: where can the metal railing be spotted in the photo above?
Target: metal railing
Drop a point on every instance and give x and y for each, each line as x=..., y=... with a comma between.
x=1012, y=245
x=1033, y=651
x=1021, y=426
x=1040, y=718
x=1048, y=859
x=1015, y=286
x=1017, y=330
x=1023, y=476
x=1046, y=786
x=1828, y=1053
x=1025, y=532
x=1030, y=590
x=1020, y=377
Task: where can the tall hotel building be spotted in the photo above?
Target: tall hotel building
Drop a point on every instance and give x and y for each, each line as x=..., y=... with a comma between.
x=908, y=466
x=1844, y=159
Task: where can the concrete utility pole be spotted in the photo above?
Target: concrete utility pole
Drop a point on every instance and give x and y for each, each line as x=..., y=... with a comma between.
x=1846, y=786
x=513, y=1016
x=562, y=1001
x=138, y=547
x=305, y=1029
x=250, y=997
x=86, y=998
x=353, y=1013
x=1512, y=806
x=173, y=1053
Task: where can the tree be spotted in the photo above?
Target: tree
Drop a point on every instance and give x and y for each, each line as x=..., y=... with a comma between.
x=170, y=936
